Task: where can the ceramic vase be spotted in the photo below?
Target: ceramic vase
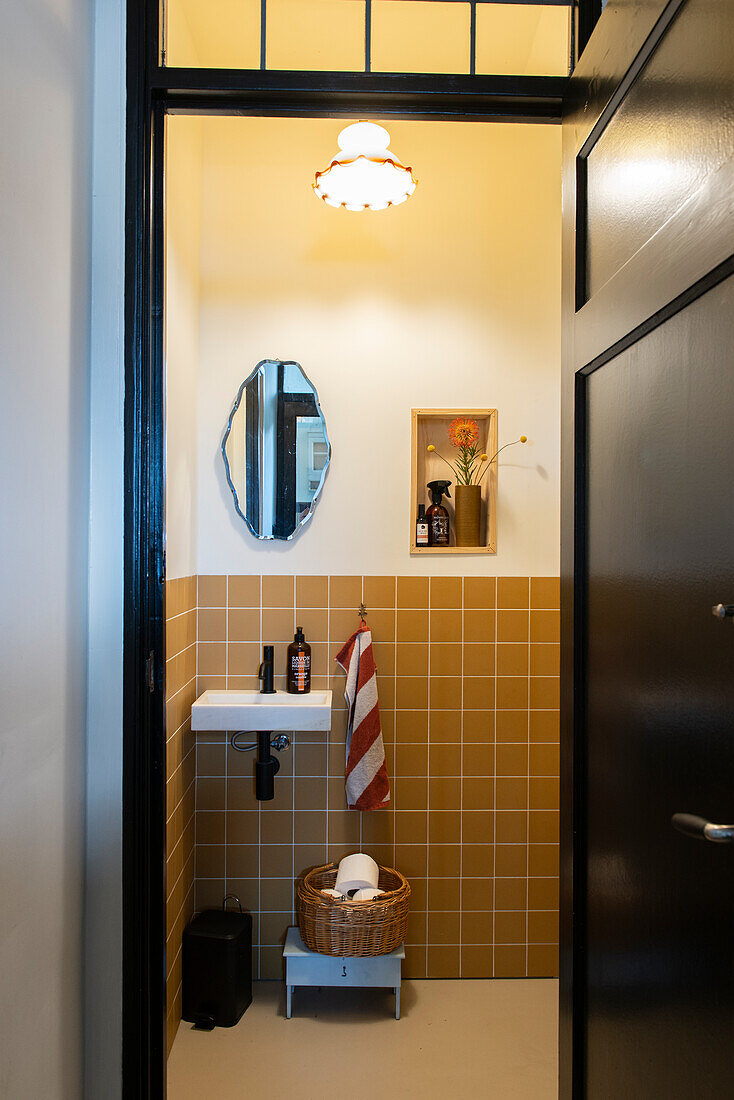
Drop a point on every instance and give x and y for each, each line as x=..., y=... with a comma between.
x=468, y=515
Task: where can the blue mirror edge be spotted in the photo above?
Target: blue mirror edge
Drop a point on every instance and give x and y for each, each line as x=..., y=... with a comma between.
x=237, y=401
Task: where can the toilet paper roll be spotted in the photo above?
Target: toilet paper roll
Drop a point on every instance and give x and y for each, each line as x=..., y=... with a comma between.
x=357, y=872
x=336, y=894
x=367, y=895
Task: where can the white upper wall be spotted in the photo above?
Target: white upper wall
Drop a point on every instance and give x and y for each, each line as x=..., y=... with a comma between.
x=45, y=121
x=451, y=300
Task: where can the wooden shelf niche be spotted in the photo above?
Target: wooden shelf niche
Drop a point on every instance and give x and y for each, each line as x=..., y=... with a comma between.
x=432, y=426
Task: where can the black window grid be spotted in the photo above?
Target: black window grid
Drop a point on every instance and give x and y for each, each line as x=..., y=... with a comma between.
x=471, y=44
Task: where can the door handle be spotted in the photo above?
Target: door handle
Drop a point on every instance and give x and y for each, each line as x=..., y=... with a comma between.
x=723, y=610
x=701, y=829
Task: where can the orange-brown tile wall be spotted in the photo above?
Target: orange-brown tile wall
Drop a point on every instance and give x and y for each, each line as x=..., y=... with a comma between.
x=468, y=688
x=181, y=618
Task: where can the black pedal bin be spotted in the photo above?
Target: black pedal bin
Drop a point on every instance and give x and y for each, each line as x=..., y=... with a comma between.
x=217, y=968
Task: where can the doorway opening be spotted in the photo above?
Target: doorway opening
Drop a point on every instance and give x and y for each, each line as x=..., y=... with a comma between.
x=422, y=305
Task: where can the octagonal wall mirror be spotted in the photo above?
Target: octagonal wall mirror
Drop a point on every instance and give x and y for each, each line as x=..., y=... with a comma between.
x=276, y=450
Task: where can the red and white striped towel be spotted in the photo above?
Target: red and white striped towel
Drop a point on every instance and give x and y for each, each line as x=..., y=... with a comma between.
x=368, y=787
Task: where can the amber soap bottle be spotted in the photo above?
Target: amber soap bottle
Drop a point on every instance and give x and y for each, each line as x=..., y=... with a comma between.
x=299, y=664
x=421, y=527
x=437, y=516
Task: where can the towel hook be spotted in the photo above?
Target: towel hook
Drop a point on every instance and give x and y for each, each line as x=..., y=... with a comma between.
x=362, y=611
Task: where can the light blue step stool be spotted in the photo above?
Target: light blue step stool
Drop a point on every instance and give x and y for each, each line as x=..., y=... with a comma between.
x=304, y=967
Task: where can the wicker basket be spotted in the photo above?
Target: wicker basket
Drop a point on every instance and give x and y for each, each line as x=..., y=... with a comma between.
x=354, y=929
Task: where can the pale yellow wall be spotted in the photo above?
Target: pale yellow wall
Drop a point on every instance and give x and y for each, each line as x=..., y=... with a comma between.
x=449, y=300
x=183, y=219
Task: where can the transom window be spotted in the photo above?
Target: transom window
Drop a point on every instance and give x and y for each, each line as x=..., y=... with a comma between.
x=388, y=36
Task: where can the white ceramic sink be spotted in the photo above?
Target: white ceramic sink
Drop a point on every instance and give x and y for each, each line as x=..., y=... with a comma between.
x=249, y=710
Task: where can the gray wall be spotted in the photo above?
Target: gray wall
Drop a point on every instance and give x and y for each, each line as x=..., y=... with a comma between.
x=45, y=123
x=103, y=895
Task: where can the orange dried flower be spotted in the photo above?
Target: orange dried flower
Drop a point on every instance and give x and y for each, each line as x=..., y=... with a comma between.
x=463, y=432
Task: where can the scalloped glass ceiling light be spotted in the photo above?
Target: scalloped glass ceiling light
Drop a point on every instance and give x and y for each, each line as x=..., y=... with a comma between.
x=364, y=174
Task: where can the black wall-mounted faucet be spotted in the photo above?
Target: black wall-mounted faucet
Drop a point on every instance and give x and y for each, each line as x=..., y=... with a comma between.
x=266, y=765
x=265, y=672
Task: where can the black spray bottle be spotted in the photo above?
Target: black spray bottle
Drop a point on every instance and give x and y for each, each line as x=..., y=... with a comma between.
x=437, y=516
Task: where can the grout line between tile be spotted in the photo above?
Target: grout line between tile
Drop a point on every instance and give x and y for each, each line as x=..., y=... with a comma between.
x=527, y=793
x=196, y=739
x=394, y=710
x=494, y=796
x=259, y=815
x=226, y=741
x=461, y=792
x=329, y=735
x=428, y=759
x=361, y=816
x=294, y=772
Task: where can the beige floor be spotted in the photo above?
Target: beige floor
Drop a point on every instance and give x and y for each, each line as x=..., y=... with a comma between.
x=488, y=1039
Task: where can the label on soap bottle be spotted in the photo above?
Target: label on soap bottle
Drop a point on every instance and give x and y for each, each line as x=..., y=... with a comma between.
x=301, y=670
x=421, y=534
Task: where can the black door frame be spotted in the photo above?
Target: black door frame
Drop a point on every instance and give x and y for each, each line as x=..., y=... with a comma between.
x=152, y=92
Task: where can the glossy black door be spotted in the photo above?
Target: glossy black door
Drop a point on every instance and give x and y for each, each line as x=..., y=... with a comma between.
x=647, y=1005
x=660, y=714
